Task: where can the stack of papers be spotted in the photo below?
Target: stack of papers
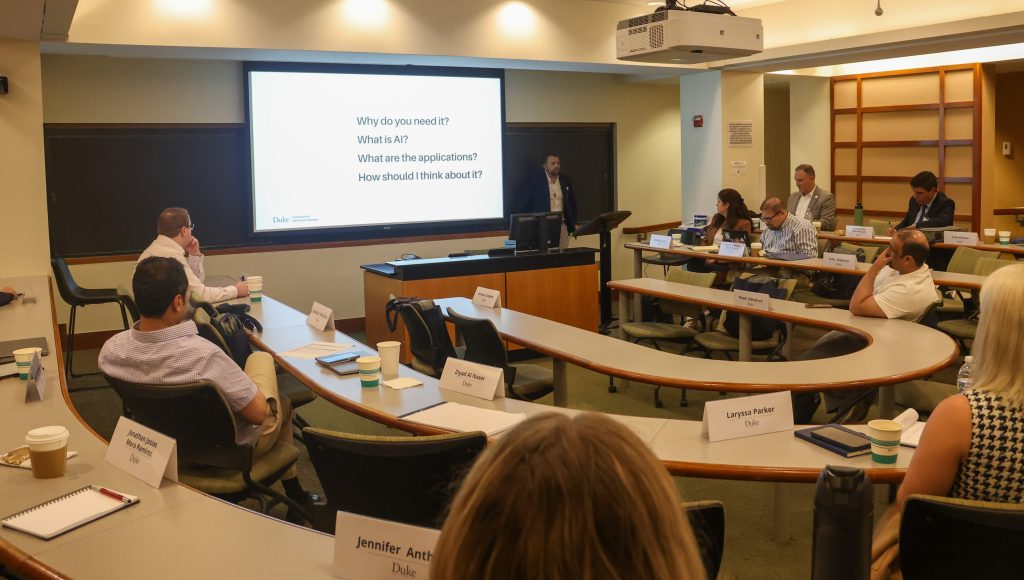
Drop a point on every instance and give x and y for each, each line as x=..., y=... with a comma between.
x=462, y=418
x=912, y=428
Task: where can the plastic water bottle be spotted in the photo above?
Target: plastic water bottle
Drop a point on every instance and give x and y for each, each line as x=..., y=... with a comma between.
x=963, y=377
x=858, y=214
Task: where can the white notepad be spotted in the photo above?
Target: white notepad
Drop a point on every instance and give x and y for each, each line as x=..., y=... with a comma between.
x=67, y=512
x=462, y=418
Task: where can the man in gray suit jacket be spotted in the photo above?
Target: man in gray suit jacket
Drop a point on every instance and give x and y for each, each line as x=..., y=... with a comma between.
x=811, y=202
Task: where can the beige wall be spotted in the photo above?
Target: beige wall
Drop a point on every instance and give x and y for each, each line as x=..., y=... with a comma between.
x=776, y=139
x=24, y=235
x=810, y=133
x=94, y=89
x=743, y=100
x=1007, y=172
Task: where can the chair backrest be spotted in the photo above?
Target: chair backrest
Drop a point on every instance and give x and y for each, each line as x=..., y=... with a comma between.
x=965, y=258
x=124, y=294
x=681, y=276
x=208, y=331
x=194, y=414
x=942, y=537
x=402, y=479
x=870, y=250
x=707, y=518
x=985, y=266
x=66, y=284
x=421, y=344
x=881, y=227
x=483, y=343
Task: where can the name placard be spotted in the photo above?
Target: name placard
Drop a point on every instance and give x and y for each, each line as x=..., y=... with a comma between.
x=757, y=300
x=844, y=261
x=374, y=549
x=143, y=452
x=36, y=388
x=734, y=249
x=747, y=416
x=487, y=298
x=473, y=379
x=320, y=316
x=860, y=232
x=960, y=238
x=658, y=241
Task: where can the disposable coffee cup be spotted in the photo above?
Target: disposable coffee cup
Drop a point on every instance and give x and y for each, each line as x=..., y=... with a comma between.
x=1004, y=237
x=677, y=239
x=388, y=351
x=756, y=222
x=989, y=235
x=817, y=225
x=755, y=249
x=255, y=284
x=23, y=360
x=48, y=451
x=369, y=370
x=885, y=440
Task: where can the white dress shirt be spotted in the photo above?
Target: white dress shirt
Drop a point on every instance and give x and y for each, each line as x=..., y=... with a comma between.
x=164, y=247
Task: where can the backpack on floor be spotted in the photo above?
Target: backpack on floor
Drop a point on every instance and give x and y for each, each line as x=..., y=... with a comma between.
x=837, y=286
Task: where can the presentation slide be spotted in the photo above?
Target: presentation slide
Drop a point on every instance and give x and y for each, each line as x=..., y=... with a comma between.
x=336, y=149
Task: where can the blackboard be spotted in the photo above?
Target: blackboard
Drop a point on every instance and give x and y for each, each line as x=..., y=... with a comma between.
x=107, y=184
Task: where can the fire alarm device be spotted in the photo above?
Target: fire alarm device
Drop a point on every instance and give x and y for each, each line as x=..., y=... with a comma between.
x=698, y=120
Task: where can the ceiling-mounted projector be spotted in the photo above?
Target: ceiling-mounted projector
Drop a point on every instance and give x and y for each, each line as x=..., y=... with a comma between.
x=687, y=37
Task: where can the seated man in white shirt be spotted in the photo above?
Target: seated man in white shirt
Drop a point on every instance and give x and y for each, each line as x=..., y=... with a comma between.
x=175, y=240
x=897, y=285
x=164, y=348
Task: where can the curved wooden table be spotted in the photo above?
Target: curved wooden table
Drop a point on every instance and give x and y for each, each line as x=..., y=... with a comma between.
x=1012, y=249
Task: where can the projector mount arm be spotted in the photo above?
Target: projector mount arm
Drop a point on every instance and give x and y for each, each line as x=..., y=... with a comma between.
x=709, y=6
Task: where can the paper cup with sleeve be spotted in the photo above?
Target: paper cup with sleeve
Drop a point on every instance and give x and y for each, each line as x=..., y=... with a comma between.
x=255, y=284
x=1004, y=237
x=369, y=370
x=389, y=351
x=23, y=360
x=885, y=440
x=989, y=235
x=48, y=451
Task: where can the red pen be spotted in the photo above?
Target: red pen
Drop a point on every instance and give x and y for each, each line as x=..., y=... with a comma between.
x=113, y=494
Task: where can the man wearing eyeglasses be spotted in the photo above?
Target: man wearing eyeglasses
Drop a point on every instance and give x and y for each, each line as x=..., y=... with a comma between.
x=175, y=240
x=786, y=233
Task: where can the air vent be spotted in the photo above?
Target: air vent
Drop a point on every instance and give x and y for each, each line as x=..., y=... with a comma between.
x=657, y=36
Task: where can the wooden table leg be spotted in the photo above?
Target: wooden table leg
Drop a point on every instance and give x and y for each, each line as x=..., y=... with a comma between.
x=560, y=370
x=745, y=341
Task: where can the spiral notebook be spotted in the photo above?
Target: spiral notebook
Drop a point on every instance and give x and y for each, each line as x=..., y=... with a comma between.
x=69, y=511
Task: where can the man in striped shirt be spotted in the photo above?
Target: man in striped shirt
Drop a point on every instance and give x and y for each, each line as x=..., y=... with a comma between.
x=786, y=233
x=164, y=348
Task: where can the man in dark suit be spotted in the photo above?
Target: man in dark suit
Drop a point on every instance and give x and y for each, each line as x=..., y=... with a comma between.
x=550, y=191
x=929, y=207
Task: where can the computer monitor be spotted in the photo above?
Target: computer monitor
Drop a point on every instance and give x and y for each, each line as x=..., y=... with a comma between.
x=535, y=231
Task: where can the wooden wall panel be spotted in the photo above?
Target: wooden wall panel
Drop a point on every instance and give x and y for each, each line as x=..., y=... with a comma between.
x=845, y=162
x=959, y=162
x=906, y=161
x=845, y=128
x=910, y=89
x=886, y=196
x=901, y=126
x=846, y=193
x=959, y=86
x=845, y=94
x=959, y=123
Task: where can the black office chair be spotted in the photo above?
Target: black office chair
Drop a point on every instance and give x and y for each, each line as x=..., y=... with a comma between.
x=128, y=300
x=707, y=518
x=485, y=346
x=942, y=537
x=402, y=479
x=77, y=296
x=203, y=427
x=428, y=355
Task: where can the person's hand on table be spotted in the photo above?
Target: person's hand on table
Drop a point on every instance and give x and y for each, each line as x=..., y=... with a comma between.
x=193, y=248
x=243, y=289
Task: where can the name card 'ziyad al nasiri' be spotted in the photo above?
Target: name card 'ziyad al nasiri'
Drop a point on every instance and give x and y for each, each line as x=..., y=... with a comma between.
x=371, y=549
x=960, y=238
x=659, y=241
x=487, y=298
x=747, y=416
x=732, y=249
x=320, y=317
x=473, y=379
x=844, y=261
x=147, y=454
x=867, y=232
x=749, y=299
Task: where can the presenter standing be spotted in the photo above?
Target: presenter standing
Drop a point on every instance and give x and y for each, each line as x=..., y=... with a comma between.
x=551, y=191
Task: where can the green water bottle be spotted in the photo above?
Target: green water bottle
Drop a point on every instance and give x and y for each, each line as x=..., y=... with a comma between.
x=858, y=214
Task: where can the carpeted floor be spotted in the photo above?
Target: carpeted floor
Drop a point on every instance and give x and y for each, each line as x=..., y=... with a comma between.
x=750, y=551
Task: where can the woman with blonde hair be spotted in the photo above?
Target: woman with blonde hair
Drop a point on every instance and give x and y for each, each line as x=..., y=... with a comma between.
x=561, y=497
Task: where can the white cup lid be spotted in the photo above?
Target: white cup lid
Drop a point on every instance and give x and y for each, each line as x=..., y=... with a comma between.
x=47, y=434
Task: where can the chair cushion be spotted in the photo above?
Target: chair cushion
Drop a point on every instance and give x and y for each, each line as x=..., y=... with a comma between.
x=666, y=260
x=220, y=481
x=923, y=396
x=658, y=330
x=532, y=379
x=959, y=328
x=723, y=341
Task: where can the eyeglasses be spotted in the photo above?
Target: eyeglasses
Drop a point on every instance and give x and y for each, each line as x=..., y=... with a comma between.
x=191, y=226
x=768, y=218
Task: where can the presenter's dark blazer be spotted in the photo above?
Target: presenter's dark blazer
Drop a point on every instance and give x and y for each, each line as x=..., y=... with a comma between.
x=536, y=197
x=939, y=215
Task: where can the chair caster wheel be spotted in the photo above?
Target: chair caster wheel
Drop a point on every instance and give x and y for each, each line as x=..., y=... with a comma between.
x=684, y=403
x=613, y=389
x=659, y=404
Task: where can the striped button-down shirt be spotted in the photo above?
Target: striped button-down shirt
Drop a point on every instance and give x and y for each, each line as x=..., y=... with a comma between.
x=793, y=236
x=177, y=355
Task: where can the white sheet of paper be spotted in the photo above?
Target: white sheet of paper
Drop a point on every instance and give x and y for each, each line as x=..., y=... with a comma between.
x=462, y=418
x=844, y=261
x=750, y=299
x=144, y=453
x=473, y=379
x=734, y=249
x=320, y=317
x=402, y=383
x=659, y=241
x=747, y=416
x=960, y=238
x=27, y=464
x=912, y=428
x=315, y=349
x=860, y=232
x=368, y=548
x=487, y=298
